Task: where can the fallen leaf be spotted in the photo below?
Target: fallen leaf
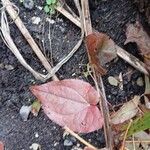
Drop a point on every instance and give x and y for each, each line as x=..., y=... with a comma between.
x=24, y=112
x=101, y=50
x=126, y=112
x=139, y=124
x=131, y=146
x=36, y=106
x=113, y=81
x=70, y=103
x=1, y=146
x=136, y=33
x=136, y=145
x=142, y=136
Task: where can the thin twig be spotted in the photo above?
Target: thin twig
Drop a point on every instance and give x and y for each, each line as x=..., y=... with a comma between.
x=5, y=34
x=8, y=5
x=125, y=136
x=59, y=65
x=132, y=60
x=76, y=21
x=138, y=141
x=80, y=139
x=98, y=80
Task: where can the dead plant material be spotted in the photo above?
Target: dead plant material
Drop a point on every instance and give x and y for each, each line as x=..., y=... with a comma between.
x=51, y=71
x=9, y=7
x=132, y=60
x=5, y=34
x=136, y=33
x=97, y=78
x=80, y=139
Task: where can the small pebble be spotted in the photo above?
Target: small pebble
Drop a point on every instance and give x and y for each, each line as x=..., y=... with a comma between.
x=9, y=67
x=35, y=146
x=51, y=21
x=55, y=144
x=36, y=20
x=2, y=66
x=44, y=70
x=36, y=135
x=68, y=142
x=29, y=4
x=39, y=7
x=139, y=81
x=24, y=112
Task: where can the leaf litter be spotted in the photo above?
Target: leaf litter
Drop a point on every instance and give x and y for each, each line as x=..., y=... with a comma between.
x=126, y=112
x=70, y=103
x=101, y=50
x=136, y=33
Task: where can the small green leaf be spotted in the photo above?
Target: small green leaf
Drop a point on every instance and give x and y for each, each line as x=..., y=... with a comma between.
x=140, y=124
x=36, y=106
x=54, y=1
x=49, y=2
x=46, y=9
x=52, y=11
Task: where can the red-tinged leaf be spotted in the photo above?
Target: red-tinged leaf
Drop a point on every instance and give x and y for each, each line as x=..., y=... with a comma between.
x=136, y=33
x=70, y=103
x=101, y=50
x=1, y=146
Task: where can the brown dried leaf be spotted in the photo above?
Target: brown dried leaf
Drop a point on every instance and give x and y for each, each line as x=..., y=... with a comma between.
x=126, y=112
x=136, y=33
x=101, y=50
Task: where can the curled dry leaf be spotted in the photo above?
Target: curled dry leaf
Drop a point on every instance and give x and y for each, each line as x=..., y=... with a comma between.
x=36, y=106
x=136, y=33
x=126, y=112
x=70, y=103
x=101, y=50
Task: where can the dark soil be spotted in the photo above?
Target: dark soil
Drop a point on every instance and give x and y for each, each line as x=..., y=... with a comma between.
x=109, y=16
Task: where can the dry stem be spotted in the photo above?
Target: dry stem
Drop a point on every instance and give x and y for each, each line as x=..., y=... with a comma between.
x=132, y=60
x=103, y=101
x=8, y=5
x=125, y=135
x=79, y=138
x=5, y=34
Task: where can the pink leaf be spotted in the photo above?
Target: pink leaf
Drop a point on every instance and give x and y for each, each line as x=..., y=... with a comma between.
x=1, y=146
x=70, y=103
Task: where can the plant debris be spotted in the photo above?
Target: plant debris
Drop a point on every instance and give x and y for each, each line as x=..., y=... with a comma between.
x=70, y=103
x=136, y=33
x=36, y=106
x=101, y=50
x=126, y=112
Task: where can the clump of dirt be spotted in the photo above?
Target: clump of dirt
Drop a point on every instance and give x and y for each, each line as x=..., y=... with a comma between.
x=107, y=16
